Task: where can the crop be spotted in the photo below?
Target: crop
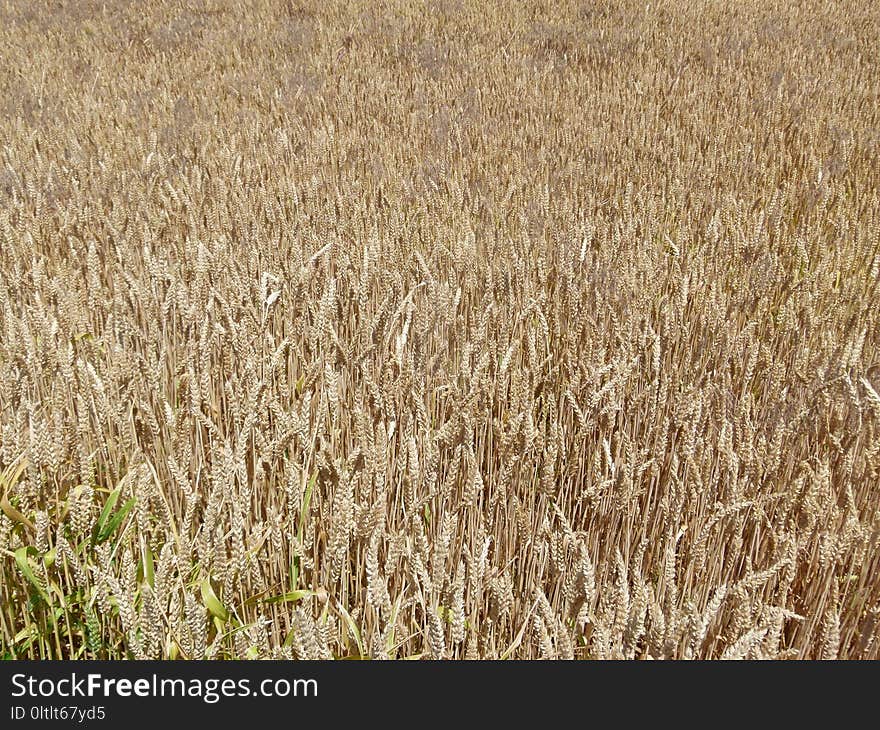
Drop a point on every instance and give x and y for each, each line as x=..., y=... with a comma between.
x=439, y=329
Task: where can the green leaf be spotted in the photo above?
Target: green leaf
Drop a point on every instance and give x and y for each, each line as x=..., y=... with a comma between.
x=288, y=642
x=21, y=559
x=8, y=479
x=28, y=634
x=445, y=613
x=303, y=513
x=112, y=524
x=149, y=569
x=294, y=571
x=50, y=557
x=291, y=597
x=307, y=500
x=352, y=627
x=101, y=524
x=212, y=603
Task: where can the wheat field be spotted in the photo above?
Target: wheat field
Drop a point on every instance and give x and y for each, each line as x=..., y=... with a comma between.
x=448, y=329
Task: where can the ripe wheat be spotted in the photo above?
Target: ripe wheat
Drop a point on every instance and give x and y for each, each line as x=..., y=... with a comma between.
x=446, y=329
